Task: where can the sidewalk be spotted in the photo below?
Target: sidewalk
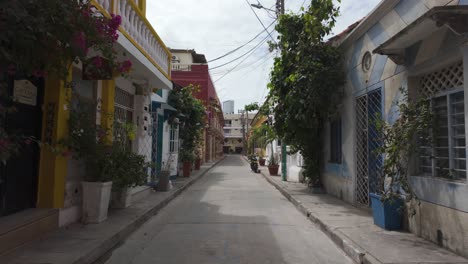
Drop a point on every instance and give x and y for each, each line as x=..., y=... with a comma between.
x=80, y=243
x=353, y=230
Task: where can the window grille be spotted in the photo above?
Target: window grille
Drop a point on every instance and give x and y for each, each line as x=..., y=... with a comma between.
x=123, y=115
x=442, y=80
x=445, y=157
x=368, y=161
x=335, y=141
x=174, y=139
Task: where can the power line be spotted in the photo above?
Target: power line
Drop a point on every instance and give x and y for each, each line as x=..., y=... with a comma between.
x=238, y=48
x=259, y=20
x=239, y=63
x=254, y=48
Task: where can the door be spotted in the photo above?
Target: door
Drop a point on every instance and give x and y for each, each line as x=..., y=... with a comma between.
x=368, y=161
x=19, y=176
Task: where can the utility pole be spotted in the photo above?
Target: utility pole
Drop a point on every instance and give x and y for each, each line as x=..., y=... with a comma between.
x=244, y=143
x=284, y=170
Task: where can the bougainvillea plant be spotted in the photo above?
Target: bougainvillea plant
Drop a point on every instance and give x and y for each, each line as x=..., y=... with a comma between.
x=43, y=38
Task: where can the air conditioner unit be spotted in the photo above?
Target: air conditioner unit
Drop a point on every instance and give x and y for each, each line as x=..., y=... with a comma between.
x=175, y=58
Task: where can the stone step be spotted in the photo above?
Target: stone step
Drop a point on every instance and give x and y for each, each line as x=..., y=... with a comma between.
x=25, y=226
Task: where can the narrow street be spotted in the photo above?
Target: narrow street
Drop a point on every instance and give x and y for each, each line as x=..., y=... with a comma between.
x=229, y=216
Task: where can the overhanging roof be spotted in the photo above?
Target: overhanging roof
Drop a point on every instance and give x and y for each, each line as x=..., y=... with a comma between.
x=453, y=17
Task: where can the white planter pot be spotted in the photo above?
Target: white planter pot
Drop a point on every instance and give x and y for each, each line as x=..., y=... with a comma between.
x=96, y=196
x=121, y=198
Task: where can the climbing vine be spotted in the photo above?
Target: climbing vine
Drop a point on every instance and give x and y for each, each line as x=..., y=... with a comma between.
x=191, y=115
x=400, y=141
x=306, y=82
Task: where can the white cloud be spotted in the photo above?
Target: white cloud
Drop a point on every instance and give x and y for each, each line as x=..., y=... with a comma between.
x=216, y=27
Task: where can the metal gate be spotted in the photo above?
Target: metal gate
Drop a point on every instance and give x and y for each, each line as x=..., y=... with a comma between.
x=368, y=161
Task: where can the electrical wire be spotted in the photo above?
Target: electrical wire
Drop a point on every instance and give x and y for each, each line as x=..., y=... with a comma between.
x=238, y=63
x=254, y=48
x=259, y=20
x=238, y=48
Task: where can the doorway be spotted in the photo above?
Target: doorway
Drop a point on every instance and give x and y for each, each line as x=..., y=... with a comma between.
x=368, y=162
x=19, y=175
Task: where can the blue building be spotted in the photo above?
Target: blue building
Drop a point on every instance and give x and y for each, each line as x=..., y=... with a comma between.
x=422, y=47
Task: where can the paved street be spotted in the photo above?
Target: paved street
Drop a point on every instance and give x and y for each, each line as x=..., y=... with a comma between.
x=229, y=216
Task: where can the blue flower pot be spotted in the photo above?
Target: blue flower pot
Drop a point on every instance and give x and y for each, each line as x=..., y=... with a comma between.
x=387, y=214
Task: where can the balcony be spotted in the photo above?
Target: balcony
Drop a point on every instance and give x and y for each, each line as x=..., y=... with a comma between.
x=139, y=31
x=196, y=67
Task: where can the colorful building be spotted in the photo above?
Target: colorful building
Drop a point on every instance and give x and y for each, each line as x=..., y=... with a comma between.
x=40, y=190
x=420, y=46
x=191, y=68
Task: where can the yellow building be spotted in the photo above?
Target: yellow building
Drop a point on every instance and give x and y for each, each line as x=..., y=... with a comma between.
x=44, y=190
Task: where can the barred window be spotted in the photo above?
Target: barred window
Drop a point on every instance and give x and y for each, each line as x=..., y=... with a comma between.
x=123, y=116
x=174, y=139
x=335, y=141
x=445, y=157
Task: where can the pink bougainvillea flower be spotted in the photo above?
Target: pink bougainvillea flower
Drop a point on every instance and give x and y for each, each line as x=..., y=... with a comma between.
x=115, y=22
x=11, y=70
x=27, y=141
x=125, y=66
x=97, y=61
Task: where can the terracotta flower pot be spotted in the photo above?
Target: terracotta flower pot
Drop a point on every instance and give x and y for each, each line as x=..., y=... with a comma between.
x=187, y=168
x=262, y=162
x=197, y=164
x=273, y=169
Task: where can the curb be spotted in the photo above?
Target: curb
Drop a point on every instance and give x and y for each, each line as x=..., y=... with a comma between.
x=354, y=251
x=109, y=244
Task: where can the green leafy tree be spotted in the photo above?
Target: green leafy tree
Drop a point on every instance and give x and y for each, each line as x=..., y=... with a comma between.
x=306, y=82
x=191, y=115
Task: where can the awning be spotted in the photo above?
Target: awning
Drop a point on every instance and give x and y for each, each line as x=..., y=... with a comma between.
x=453, y=17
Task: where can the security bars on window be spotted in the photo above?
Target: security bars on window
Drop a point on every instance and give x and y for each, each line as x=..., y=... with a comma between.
x=446, y=157
x=123, y=114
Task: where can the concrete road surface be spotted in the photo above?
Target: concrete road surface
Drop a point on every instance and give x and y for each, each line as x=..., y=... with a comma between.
x=229, y=216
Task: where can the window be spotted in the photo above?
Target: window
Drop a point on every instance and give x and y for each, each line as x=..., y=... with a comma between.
x=446, y=157
x=123, y=116
x=335, y=141
x=174, y=139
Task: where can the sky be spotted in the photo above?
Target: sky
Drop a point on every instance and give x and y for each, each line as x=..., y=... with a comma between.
x=215, y=27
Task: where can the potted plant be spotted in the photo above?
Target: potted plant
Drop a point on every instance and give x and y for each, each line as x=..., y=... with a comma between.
x=164, y=183
x=262, y=161
x=187, y=158
x=128, y=170
x=398, y=144
x=273, y=166
x=197, y=159
x=97, y=186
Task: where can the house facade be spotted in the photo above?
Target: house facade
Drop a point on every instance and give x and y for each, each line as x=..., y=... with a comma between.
x=234, y=128
x=45, y=192
x=421, y=47
x=191, y=68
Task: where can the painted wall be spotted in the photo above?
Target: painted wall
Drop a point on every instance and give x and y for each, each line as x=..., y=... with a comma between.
x=444, y=205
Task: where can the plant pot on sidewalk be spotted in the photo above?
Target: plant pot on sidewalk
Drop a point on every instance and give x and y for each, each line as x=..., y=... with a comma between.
x=262, y=161
x=164, y=181
x=187, y=168
x=197, y=164
x=121, y=199
x=388, y=213
x=96, y=196
x=273, y=170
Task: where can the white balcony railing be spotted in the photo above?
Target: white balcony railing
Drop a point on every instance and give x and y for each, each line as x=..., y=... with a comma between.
x=181, y=67
x=139, y=31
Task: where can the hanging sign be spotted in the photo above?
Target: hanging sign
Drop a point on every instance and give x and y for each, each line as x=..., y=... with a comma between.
x=25, y=92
